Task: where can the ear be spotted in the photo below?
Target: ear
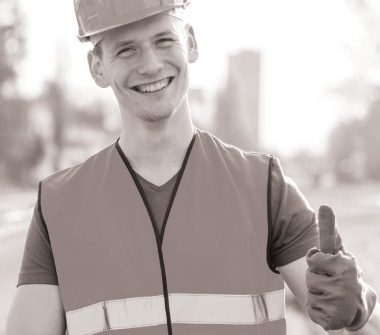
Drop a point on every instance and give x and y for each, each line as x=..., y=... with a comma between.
x=95, y=65
x=191, y=44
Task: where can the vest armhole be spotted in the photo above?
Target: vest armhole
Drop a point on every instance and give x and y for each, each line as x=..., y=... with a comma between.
x=40, y=211
x=269, y=215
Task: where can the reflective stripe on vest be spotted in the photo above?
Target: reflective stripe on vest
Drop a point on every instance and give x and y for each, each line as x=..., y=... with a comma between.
x=185, y=308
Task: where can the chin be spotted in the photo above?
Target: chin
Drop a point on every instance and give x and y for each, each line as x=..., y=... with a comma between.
x=162, y=113
x=156, y=117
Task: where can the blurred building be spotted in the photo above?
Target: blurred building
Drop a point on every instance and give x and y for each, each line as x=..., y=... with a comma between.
x=237, y=115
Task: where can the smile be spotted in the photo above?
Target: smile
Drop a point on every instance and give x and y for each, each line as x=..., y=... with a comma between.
x=154, y=86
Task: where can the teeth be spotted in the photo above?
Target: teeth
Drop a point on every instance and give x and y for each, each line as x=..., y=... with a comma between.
x=153, y=87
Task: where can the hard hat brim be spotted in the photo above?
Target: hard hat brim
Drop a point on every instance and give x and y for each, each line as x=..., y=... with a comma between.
x=123, y=21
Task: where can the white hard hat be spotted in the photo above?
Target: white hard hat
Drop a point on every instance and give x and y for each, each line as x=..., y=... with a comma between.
x=97, y=16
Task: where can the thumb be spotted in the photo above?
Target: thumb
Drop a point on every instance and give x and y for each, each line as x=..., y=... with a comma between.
x=330, y=241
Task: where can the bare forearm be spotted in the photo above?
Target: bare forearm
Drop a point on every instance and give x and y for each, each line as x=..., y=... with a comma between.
x=36, y=309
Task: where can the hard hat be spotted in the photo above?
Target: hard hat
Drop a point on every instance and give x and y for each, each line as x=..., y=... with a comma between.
x=97, y=16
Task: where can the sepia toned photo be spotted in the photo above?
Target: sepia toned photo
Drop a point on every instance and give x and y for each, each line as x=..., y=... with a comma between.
x=177, y=167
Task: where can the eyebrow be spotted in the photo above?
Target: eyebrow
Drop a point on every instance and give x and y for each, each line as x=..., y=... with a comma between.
x=163, y=33
x=122, y=44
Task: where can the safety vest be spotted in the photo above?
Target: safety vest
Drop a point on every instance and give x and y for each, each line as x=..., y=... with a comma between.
x=206, y=273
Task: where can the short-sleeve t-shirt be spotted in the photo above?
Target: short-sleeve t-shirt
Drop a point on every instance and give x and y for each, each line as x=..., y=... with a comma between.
x=293, y=227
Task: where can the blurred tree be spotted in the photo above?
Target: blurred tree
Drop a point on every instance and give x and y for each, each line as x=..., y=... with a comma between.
x=371, y=141
x=362, y=48
x=57, y=104
x=354, y=147
x=12, y=42
x=344, y=144
x=13, y=109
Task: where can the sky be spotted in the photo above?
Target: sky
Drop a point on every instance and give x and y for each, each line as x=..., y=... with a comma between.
x=304, y=56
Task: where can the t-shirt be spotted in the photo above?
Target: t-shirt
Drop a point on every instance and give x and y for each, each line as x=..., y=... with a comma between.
x=293, y=227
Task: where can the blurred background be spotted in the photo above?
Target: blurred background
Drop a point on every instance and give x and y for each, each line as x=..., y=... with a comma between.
x=299, y=79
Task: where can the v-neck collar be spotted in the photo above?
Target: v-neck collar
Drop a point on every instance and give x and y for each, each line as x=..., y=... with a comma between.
x=159, y=236
x=157, y=188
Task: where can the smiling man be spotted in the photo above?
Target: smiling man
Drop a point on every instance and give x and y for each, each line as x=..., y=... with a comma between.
x=169, y=230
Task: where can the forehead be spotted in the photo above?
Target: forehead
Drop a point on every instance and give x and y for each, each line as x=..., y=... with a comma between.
x=145, y=29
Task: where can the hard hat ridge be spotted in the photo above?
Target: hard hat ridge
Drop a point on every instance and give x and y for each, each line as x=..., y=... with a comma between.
x=97, y=16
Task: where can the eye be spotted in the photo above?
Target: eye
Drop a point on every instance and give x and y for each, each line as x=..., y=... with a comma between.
x=126, y=52
x=165, y=42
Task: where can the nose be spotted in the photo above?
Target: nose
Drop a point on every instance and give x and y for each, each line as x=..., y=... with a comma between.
x=150, y=63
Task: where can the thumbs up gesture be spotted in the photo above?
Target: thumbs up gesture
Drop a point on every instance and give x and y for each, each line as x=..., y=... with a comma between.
x=337, y=295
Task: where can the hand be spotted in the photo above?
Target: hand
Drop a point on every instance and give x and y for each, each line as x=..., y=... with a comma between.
x=337, y=295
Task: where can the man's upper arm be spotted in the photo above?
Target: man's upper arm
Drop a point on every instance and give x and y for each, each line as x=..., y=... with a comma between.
x=36, y=310
x=38, y=266
x=293, y=226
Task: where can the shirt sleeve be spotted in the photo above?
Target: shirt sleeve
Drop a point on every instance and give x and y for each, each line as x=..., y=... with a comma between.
x=294, y=227
x=37, y=266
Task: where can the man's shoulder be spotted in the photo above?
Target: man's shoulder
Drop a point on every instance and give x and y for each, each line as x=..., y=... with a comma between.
x=97, y=161
x=233, y=152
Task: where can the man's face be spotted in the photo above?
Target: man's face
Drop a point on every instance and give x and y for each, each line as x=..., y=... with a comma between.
x=146, y=65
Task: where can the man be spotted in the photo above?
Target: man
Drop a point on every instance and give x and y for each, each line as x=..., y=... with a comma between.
x=169, y=230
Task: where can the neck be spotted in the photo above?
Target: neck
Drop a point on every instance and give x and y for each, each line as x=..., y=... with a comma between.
x=156, y=150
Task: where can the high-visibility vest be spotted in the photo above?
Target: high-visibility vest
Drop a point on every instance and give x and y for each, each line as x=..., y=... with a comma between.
x=206, y=273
